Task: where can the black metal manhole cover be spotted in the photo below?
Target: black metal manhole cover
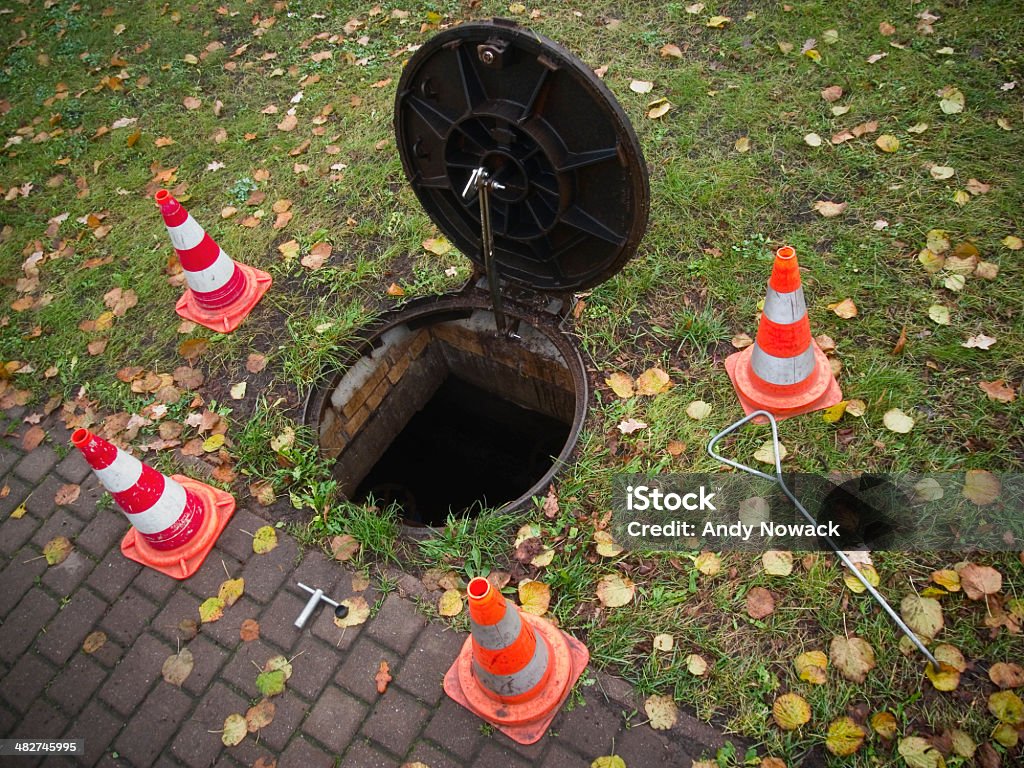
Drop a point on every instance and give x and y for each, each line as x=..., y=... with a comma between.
x=574, y=193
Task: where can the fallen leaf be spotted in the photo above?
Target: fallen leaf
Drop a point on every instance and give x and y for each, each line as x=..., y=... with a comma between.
x=855, y=585
x=629, y=426
x=853, y=657
x=621, y=384
x=605, y=761
x=919, y=753
x=741, y=341
x=255, y=363
x=94, y=641
x=811, y=666
x=760, y=603
x=238, y=390
x=67, y=494
x=395, y=290
x=288, y=123
x=1007, y=707
x=32, y=438
x=344, y=547
x=812, y=140
x=829, y=209
x=1012, y=242
x=696, y=665
x=358, y=612
x=177, y=667
x=260, y=715
x=979, y=581
x=884, y=724
x=941, y=172
x=614, y=590
x=845, y=309
x=896, y=420
x=230, y=590
x=264, y=540
x=742, y=144
x=534, y=596
x=665, y=642
x=271, y=682
x=698, y=410
x=1006, y=675
x=790, y=711
x=886, y=29
x=249, y=631
x=658, y=108
x=922, y=614
x=952, y=101
x=766, y=452
x=844, y=737
x=887, y=142
x=718, y=22
x=450, y=603
x=57, y=550
x=670, y=50
x=211, y=609
x=777, y=562
x=832, y=93
x=191, y=102
x=997, y=390
x=653, y=381
x=981, y=487
x=235, y=729
x=874, y=58
x=383, y=677
x=661, y=711
x=641, y=86
x=708, y=563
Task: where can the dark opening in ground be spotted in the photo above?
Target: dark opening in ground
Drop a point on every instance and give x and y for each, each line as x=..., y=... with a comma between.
x=465, y=449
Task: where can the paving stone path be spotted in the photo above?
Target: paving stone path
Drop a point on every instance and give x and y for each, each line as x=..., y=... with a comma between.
x=330, y=713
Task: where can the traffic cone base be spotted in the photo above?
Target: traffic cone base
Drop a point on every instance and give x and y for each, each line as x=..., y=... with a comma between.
x=527, y=721
x=256, y=283
x=820, y=391
x=182, y=562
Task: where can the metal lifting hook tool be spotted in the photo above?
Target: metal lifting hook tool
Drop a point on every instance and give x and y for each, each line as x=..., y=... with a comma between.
x=778, y=479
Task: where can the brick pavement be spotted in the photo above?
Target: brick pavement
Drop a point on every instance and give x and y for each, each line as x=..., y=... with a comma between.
x=330, y=713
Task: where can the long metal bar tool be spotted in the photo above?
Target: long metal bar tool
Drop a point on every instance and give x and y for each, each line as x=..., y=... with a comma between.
x=481, y=181
x=778, y=479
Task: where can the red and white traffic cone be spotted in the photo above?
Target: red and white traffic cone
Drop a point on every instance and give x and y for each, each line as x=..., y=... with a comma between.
x=221, y=292
x=175, y=520
x=784, y=372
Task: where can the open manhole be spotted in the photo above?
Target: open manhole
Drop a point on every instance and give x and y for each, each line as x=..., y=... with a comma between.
x=525, y=161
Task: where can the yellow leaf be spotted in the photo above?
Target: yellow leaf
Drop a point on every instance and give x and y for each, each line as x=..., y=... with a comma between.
x=19, y=511
x=742, y=144
x=834, y=413
x=534, y=596
x=641, y=86
x=922, y=614
x=265, y=540
x=1007, y=707
x=828, y=208
x=658, y=108
x=811, y=666
x=621, y=384
x=844, y=737
x=235, y=729
x=607, y=761
x=939, y=314
x=1012, y=242
x=897, y=421
x=887, y=142
x=941, y=172
x=211, y=609
x=708, y=563
x=615, y=591
x=606, y=546
x=884, y=724
x=856, y=408
x=945, y=678
x=718, y=22
x=698, y=410
x=213, y=443
x=845, y=309
x=662, y=712
x=231, y=590
x=437, y=245
x=450, y=603
x=696, y=665
x=981, y=487
x=777, y=562
x=766, y=453
x=358, y=612
x=791, y=711
x=653, y=381
x=669, y=50
x=855, y=584
x=919, y=753
x=813, y=55
x=947, y=579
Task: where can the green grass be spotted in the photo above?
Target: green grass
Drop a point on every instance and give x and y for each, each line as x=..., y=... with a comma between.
x=697, y=280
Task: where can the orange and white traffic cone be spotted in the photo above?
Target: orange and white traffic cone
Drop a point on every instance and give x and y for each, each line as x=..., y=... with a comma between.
x=221, y=292
x=175, y=520
x=515, y=669
x=784, y=372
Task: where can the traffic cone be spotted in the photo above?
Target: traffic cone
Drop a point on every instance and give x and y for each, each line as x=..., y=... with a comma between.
x=784, y=372
x=221, y=292
x=515, y=669
x=175, y=520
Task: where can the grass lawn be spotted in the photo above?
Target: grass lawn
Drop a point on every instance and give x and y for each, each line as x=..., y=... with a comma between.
x=272, y=123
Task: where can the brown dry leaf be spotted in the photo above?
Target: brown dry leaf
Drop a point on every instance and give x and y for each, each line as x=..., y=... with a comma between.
x=777, y=562
x=708, y=563
x=853, y=657
x=344, y=547
x=96, y=347
x=760, y=603
x=923, y=615
x=288, y=123
x=32, y=438
x=358, y=612
x=94, y=641
x=193, y=349
x=662, y=712
x=177, y=667
x=670, y=50
x=317, y=256
x=886, y=29
x=741, y=341
x=998, y=391
x=395, y=290
x=249, y=631
x=829, y=209
x=981, y=487
x=383, y=677
x=832, y=93
x=653, y=381
x=1006, y=675
x=811, y=666
x=263, y=492
x=978, y=581
x=191, y=102
x=67, y=494
x=260, y=715
x=551, y=503
x=255, y=363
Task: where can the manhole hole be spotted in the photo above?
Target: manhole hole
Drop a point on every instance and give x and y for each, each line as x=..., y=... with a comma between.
x=525, y=161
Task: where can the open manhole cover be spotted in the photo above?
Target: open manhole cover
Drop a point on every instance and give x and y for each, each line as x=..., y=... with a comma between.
x=525, y=161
